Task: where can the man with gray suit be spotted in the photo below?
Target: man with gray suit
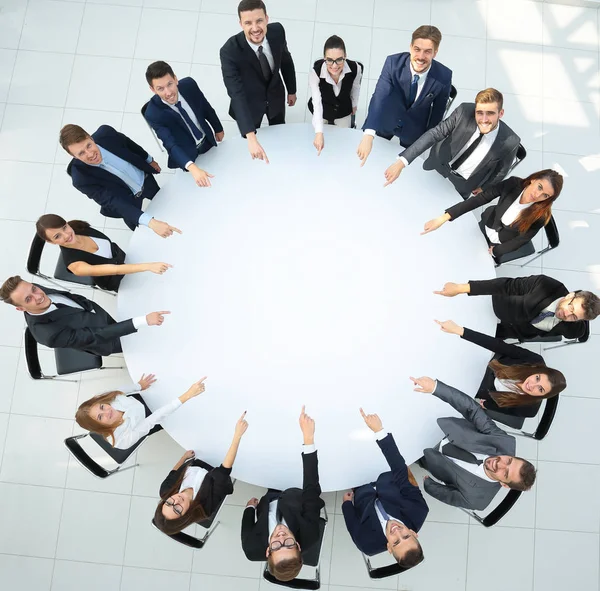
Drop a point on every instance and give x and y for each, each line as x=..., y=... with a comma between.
x=475, y=458
x=472, y=147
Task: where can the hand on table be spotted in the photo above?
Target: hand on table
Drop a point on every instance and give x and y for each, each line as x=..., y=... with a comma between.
x=201, y=177
x=450, y=290
x=146, y=381
x=393, y=172
x=364, y=148
x=156, y=318
x=256, y=150
x=163, y=229
x=424, y=384
x=372, y=421
x=319, y=142
x=435, y=223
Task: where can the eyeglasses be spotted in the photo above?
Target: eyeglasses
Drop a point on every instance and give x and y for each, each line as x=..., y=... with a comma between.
x=571, y=309
x=177, y=508
x=287, y=543
x=338, y=62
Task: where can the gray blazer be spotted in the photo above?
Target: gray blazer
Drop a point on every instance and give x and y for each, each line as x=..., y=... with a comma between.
x=451, y=135
x=475, y=433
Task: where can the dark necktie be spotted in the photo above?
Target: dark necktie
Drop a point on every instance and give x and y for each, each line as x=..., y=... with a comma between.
x=382, y=510
x=278, y=514
x=414, y=85
x=264, y=64
x=541, y=317
x=453, y=451
x=195, y=131
x=463, y=157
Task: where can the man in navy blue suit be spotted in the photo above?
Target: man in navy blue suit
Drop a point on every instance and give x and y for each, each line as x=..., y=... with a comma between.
x=183, y=119
x=115, y=172
x=387, y=514
x=411, y=94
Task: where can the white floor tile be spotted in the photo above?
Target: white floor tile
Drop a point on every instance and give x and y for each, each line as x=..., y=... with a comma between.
x=36, y=535
x=407, y=15
x=459, y=17
x=303, y=11
x=3, y=428
x=210, y=80
x=296, y=113
x=553, y=550
x=209, y=38
x=22, y=572
x=570, y=26
x=201, y=582
x=577, y=280
x=73, y=576
x=12, y=15
x=570, y=74
x=19, y=235
x=468, y=67
x=121, y=21
x=299, y=36
x=103, y=514
x=9, y=358
x=503, y=26
x=385, y=42
x=24, y=181
x=7, y=63
x=356, y=12
x=191, y=5
x=117, y=2
x=147, y=579
x=223, y=7
x=506, y=71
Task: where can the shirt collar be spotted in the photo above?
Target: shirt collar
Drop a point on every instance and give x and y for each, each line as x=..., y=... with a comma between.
x=179, y=98
x=421, y=75
x=103, y=153
x=255, y=46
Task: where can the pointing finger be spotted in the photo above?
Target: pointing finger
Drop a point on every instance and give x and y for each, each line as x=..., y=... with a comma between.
x=362, y=412
x=164, y=312
x=202, y=380
x=174, y=229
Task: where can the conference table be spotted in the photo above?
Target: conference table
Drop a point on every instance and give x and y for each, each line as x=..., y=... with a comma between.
x=305, y=282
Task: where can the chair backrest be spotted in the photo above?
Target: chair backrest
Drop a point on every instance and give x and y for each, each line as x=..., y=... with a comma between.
x=451, y=98
x=502, y=509
x=63, y=274
x=35, y=255
x=519, y=156
x=552, y=233
x=546, y=418
x=389, y=570
x=69, y=167
x=31, y=356
x=143, y=109
x=586, y=332
x=183, y=538
x=69, y=361
x=506, y=419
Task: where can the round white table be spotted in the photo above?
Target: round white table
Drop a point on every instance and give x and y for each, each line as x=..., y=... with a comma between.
x=305, y=282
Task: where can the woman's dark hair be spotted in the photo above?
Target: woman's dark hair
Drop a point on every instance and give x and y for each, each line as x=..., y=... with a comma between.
x=195, y=513
x=334, y=42
x=51, y=221
x=543, y=209
x=520, y=373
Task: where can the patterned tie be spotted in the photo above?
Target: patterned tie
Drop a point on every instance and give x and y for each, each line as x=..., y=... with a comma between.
x=264, y=64
x=382, y=510
x=541, y=317
x=463, y=157
x=195, y=131
x=453, y=451
x=414, y=85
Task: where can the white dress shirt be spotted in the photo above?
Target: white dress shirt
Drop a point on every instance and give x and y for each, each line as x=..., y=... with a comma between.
x=193, y=478
x=547, y=324
x=467, y=168
x=191, y=114
x=475, y=469
x=104, y=248
x=266, y=50
x=502, y=385
x=510, y=215
x=313, y=82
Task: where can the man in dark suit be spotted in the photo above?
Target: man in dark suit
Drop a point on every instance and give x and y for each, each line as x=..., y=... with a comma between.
x=387, y=514
x=283, y=523
x=472, y=147
x=63, y=320
x=183, y=119
x=115, y=172
x=476, y=458
x=411, y=94
x=251, y=62
x=533, y=306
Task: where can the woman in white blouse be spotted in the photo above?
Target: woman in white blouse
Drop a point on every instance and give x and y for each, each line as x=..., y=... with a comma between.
x=122, y=417
x=87, y=252
x=524, y=207
x=194, y=490
x=335, y=87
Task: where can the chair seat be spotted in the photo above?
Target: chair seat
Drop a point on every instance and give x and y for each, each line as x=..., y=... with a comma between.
x=525, y=250
x=505, y=419
x=73, y=361
x=118, y=455
x=61, y=272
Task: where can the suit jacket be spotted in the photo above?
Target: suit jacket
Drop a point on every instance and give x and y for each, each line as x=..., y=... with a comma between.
x=506, y=355
x=451, y=135
x=70, y=328
x=215, y=487
x=398, y=496
x=508, y=192
x=389, y=112
x=299, y=507
x=251, y=95
x=108, y=190
x=475, y=433
x=171, y=128
x=518, y=301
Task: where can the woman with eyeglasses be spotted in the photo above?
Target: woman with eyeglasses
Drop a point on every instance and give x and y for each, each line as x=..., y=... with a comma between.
x=194, y=490
x=335, y=86
x=523, y=208
x=516, y=379
x=87, y=252
x=123, y=418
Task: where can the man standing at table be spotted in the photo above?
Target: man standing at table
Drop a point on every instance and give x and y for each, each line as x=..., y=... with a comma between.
x=251, y=62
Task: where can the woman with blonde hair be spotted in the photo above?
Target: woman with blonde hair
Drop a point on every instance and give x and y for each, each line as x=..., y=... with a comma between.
x=123, y=418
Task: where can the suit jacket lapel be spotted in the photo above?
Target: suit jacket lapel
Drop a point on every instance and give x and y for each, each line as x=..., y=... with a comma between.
x=495, y=148
x=405, y=81
x=169, y=113
x=427, y=85
x=249, y=53
x=274, y=45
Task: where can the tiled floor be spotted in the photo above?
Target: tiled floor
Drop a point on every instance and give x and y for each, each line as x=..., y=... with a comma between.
x=73, y=61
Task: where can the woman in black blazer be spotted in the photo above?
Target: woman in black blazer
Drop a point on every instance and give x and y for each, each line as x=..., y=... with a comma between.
x=524, y=206
x=516, y=379
x=90, y=253
x=194, y=490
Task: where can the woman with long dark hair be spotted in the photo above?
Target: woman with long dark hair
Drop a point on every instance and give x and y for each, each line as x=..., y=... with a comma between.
x=123, y=418
x=516, y=380
x=335, y=87
x=194, y=490
x=524, y=207
x=87, y=252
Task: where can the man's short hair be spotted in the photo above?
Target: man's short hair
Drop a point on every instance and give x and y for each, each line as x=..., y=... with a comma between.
x=246, y=5
x=285, y=570
x=490, y=95
x=428, y=32
x=590, y=303
x=412, y=557
x=158, y=70
x=7, y=289
x=526, y=476
x=71, y=134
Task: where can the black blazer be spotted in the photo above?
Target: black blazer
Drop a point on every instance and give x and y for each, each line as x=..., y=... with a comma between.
x=73, y=255
x=398, y=496
x=507, y=355
x=172, y=130
x=251, y=95
x=215, y=487
x=109, y=191
x=95, y=332
x=508, y=191
x=299, y=507
x=518, y=301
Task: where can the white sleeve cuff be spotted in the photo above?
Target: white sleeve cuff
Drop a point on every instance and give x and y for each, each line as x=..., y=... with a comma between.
x=434, y=388
x=187, y=165
x=370, y=132
x=404, y=160
x=144, y=219
x=149, y=159
x=381, y=434
x=308, y=449
x=139, y=321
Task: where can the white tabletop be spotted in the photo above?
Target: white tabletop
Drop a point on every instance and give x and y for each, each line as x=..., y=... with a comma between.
x=305, y=282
